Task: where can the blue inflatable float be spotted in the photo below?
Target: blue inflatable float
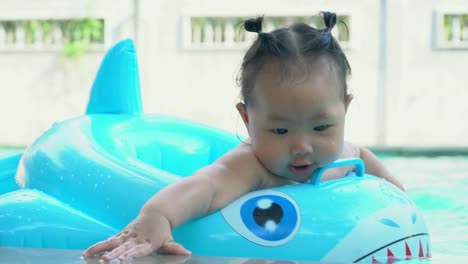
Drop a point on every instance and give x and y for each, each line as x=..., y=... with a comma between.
x=86, y=178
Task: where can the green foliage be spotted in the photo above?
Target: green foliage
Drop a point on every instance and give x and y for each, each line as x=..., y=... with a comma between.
x=80, y=34
x=199, y=23
x=30, y=27
x=448, y=35
x=47, y=27
x=448, y=25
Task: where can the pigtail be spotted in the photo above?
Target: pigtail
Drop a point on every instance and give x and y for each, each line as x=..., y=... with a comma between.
x=298, y=42
x=266, y=43
x=330, y=21
x=254, y=25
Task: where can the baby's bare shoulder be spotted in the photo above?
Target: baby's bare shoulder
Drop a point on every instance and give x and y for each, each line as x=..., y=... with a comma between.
x=243, y=153
x=350, y=150
x=244, y=163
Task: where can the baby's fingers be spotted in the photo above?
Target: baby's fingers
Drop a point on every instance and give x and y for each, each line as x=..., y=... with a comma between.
x=172, y=247
x=117, y=252
x=103, y=246
x=139, y=250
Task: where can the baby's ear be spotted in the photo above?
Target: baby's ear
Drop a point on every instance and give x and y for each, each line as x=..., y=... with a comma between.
x=348, y=99
x=243, y=113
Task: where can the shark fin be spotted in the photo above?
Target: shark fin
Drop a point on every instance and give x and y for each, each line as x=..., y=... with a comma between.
x=116, y=89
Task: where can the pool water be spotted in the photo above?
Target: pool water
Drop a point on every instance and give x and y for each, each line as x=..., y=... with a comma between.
x=439, y=187
x=4, y=151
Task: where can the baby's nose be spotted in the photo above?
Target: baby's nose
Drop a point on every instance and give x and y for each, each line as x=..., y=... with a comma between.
x=301, y=149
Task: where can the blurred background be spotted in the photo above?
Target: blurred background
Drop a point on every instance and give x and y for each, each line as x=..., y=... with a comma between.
x=408, y=59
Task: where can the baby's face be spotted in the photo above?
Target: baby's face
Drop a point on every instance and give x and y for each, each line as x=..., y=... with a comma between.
x=296, y=123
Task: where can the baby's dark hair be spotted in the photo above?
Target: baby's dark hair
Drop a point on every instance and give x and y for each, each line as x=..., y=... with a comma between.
x=296, y=42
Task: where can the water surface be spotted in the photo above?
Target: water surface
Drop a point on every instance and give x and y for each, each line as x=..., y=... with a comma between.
x=439, y=187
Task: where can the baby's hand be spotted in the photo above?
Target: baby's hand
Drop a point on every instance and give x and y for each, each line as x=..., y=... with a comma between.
x=146, y=234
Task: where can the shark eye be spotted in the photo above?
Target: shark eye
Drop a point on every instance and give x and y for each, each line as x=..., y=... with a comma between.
x=266, y=217
x=389, y=222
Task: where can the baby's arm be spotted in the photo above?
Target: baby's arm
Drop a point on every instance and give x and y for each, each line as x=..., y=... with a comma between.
x=375, y=167
x=207, y=190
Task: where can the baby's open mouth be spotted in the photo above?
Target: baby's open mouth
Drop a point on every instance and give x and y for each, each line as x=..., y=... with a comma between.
x=305, y=168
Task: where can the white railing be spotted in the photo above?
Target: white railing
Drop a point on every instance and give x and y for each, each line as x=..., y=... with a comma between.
x=209, y=32
x=452, y=30
x=50, y=34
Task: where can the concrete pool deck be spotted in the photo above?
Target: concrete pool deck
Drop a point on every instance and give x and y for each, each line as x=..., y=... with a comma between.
x=14, y=255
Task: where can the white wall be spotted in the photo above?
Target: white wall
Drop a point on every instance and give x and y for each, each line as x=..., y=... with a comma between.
x=427, y=87
x=39, y=87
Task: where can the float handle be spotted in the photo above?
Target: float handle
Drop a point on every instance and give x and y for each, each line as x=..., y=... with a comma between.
x=358, y=163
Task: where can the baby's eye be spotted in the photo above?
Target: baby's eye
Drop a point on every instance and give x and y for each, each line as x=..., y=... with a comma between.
x=322, y=127
x=279, y=131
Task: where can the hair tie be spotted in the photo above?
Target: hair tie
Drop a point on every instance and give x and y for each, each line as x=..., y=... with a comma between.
x=329, y=19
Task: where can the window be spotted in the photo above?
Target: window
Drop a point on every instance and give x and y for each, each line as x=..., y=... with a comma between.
x=51, y=34
x=205, y=32
x=452, y=30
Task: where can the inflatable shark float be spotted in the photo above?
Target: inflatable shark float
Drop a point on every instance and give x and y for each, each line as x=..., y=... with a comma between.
x=86, y=178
